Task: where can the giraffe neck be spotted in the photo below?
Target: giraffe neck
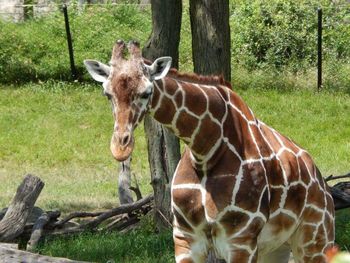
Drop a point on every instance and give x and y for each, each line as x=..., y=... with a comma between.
x=197, y=114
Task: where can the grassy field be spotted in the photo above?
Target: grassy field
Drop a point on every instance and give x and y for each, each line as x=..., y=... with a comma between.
x=60, y=132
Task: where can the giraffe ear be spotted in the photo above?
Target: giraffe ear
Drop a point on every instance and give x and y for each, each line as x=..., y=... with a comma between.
x=159, y=68
x=97, y=70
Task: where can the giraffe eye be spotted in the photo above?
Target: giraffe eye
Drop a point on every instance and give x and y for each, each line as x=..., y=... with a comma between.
x=145, y=95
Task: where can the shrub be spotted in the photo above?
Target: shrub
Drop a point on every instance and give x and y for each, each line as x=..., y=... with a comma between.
x=284, y=33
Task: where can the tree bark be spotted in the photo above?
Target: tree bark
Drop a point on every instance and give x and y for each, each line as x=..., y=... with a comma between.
x=163, y=147
x=13, y=223
x=211, y=44
x=211, y=37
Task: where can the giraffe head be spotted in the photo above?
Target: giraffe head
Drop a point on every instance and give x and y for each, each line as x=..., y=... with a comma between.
x=128, y=84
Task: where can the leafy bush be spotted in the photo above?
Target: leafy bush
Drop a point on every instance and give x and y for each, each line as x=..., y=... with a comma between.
x=284, y=33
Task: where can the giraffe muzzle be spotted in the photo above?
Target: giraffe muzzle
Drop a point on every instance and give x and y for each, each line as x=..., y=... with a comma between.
x=122, y=146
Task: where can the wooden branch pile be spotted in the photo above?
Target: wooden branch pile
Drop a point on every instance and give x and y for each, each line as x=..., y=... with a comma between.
x=26, y=225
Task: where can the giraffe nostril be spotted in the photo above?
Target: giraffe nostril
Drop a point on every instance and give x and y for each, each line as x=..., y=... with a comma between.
x=125, y=140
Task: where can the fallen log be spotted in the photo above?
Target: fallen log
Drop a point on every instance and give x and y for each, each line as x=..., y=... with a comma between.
x=10, y=255
x=14, y=221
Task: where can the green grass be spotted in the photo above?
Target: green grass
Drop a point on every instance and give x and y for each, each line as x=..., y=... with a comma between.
x=138, y=246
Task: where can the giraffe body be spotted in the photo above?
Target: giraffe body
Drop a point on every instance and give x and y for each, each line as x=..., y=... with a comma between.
x=240, y=188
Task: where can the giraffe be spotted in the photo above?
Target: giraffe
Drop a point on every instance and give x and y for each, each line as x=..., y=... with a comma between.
x=241, y=188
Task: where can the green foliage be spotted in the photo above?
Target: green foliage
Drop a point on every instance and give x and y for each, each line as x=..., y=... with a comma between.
x=284, y=33
x=274, y=44
x=272, y=33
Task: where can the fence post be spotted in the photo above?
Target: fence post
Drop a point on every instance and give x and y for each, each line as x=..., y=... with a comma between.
x=319, y=49
x=69, y=42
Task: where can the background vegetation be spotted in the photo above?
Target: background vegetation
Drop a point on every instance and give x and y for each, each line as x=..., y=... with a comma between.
x=60, y=131
x=270, y=40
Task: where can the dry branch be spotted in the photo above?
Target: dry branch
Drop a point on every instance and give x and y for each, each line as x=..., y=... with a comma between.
x=137, y=192
x=123, y=209
x=76, y=215
x=332, y=177
x=136, y=189
x=14, y=221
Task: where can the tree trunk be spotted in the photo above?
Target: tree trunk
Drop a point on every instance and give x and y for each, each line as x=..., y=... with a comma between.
x=211, y=37
x=13, y=223
x=211, y=44
x=163, y=147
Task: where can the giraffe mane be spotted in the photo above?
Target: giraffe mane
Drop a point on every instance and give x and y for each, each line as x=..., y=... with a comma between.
x=195, y=78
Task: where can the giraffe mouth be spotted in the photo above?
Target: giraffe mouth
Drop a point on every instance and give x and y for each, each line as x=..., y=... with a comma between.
x=121, y=152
